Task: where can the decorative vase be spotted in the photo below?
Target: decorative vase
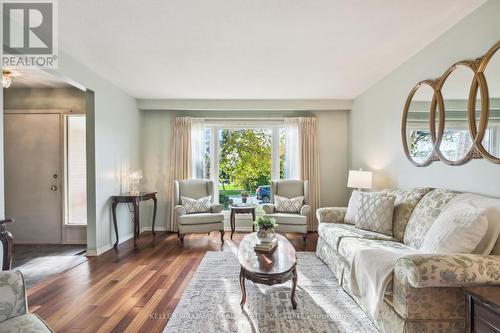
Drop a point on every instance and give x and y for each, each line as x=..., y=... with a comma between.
x=266, y=235
x=244, y=199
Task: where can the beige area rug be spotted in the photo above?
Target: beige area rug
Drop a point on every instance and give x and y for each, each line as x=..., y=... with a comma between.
x=211, y=301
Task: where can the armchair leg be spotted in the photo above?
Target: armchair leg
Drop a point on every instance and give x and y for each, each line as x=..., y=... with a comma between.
x=181, y=238
x=222, y=236
x=304, y=237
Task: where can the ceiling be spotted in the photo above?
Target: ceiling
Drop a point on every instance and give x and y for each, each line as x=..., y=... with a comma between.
x=259, y=49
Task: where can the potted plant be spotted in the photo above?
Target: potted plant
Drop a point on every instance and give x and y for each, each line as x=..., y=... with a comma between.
x=265, y=226
x=244, y=196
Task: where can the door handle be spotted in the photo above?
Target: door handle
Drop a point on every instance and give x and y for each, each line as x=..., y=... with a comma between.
x=54, y=188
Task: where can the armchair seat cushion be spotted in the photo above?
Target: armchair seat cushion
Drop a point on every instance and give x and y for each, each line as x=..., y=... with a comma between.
x=333, y=233
x=284, y=218
x=201, y=218
x=29, y=323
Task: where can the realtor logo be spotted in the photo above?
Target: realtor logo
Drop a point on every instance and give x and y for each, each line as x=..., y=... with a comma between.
x=29, y=34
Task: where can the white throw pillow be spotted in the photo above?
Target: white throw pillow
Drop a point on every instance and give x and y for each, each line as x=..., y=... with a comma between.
x=193, y=206
x=459, y=229
x=375, y=212
x=285, y=205
x=352, y=208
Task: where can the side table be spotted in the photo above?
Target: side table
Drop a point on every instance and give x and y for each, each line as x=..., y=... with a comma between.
x=240, y=210
x=134, y=199
x=483, y=309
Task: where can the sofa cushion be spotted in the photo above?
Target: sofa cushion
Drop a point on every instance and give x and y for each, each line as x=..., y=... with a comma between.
x=352, y=208
x=424, y=215
x=491, y=242
x=375, y=213
x=349, y=246
x=284, y=218
x=201, y=218
x=333, y=233
x=458, y=229
x=406, y=200
x=25, y=323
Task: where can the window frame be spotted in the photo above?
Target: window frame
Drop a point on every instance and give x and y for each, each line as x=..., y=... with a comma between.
x=216, y=125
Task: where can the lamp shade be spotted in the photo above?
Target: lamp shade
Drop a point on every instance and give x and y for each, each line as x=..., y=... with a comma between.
x=360, y=179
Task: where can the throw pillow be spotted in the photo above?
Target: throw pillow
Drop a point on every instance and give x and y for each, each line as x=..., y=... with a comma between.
x=193, y=206
x=375, y=212
x=459, y=229
x=285, y=205
x=352, y=208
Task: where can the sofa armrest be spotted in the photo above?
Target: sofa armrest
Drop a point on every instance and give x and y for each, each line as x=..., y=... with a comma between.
x=13, y=300
x=454, y=270
x=180, y=210
x=216, y=208
x=269, y=208
x=331, y=214
x=304, y=211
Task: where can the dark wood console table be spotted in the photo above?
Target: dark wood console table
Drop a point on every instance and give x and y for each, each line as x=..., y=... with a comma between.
x=134, y=199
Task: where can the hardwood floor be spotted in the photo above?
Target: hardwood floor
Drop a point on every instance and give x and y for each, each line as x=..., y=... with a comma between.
x=127, y=289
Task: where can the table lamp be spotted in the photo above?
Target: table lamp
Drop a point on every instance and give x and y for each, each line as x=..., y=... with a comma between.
x=360, y=179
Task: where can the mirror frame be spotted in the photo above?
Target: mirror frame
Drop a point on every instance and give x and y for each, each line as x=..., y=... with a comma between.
x=436, y=102
x=482, y=83
x=476, y=131
x=471, y=102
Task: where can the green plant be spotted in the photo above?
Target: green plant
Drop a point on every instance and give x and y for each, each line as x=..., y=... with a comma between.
x=266, y=223
x=245, y=194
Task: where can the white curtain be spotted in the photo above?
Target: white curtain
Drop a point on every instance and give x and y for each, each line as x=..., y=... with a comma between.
x=292, y=149
x=197, y=148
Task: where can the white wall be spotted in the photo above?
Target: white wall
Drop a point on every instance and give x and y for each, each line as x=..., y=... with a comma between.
x=156, y=144
x=374, y=131
x=116, y=133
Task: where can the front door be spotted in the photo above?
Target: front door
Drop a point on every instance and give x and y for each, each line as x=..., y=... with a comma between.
x=33, y=176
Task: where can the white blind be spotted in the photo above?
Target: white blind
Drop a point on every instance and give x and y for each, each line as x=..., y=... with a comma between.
x=76, y=171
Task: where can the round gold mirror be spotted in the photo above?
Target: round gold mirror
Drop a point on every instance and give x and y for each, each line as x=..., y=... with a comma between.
x=418, y=129
x=488, y=137
x=454, y=141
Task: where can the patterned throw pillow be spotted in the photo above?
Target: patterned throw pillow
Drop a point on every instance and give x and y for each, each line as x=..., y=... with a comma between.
x=375, y=212
x=285, y=205
x=192, y=206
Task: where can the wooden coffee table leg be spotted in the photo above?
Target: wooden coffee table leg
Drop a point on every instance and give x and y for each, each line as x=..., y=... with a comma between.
x=294, y=286
x=242, y=285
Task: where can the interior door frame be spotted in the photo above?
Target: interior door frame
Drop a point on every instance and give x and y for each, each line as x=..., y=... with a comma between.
x=61, y=113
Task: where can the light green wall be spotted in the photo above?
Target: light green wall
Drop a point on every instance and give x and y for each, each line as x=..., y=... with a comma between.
x=375, y=120
x=156, y=144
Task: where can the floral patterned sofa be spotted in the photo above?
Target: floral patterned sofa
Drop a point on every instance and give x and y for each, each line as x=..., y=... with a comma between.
x=426, y=290
x=14, y=316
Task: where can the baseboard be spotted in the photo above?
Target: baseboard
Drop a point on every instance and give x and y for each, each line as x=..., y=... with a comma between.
x=107, y=247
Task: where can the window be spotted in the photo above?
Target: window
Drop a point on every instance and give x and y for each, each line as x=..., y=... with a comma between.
x=242, y=160
x=75, y=171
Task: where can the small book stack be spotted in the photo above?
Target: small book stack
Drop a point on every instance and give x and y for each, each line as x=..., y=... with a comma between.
x=266, y=248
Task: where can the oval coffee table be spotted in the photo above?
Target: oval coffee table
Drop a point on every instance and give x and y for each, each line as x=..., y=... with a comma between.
x=275, y=268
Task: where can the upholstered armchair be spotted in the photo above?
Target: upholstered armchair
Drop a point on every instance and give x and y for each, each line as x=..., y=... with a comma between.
x=201, y=222
x=295, y=222
x=14, y=315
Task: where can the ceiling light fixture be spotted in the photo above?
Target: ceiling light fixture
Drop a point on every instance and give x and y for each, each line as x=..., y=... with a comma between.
x=6, y=80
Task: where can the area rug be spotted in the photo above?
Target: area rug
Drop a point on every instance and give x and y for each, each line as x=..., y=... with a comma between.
x=211, y=302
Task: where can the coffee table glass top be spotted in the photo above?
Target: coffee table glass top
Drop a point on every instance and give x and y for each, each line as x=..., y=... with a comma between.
x=283, y=259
